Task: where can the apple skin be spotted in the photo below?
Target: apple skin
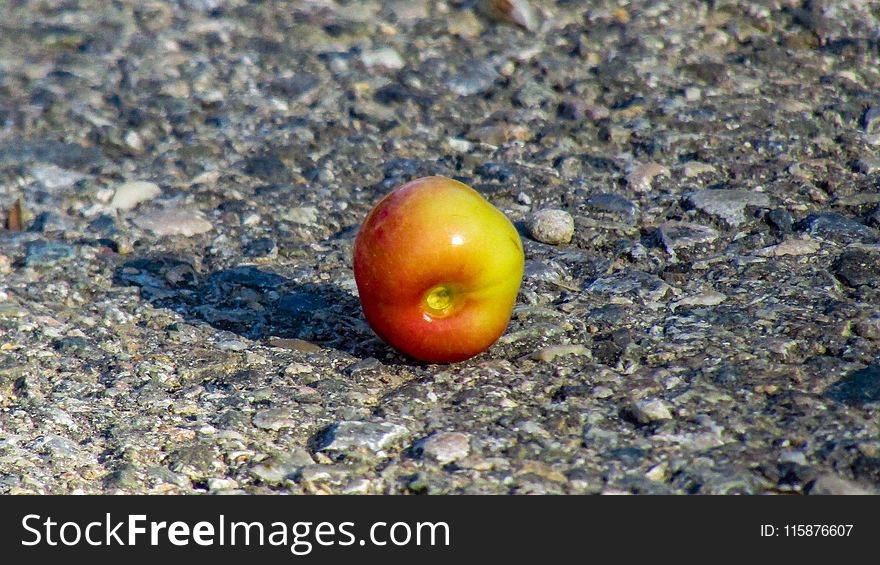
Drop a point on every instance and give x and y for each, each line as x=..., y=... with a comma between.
x=438, y=269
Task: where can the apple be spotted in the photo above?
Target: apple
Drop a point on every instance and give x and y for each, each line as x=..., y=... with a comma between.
x=438, y=269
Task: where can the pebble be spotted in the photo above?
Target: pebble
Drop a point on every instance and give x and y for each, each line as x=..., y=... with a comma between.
x=53, y=178
x=294, y=87
x=682, y=235
x=578, y=110
x=837, y=228
x=693, y=169
x=463, y=24
x=729, y=205
x=631, y=282
x=833, y=485
x=871, y=119
x=857, y=388
x=858, y=199
x=544, y=271
x=63, y=155
x=130, y=194
x=51, y=222
x=268, y=167
x=475, y=77
x=551, y=226
x=382, y=57
x=174, y=222
x=45, y=253
x=869, y=328
x=371, y=436
x=217, y=484
x=794, y=247
x=232, y=345
x=534, y=95
x=305, y=215
x=857, y=267
x=281, y=467
x=613, y=204
x=551, y=352
x=641, y=177
x=262, y=247
x=294, y=344
x=868, y=165
x=443, y=447
x=60, y=447
x=708, y=298
x=793, y=456
x=780, y=219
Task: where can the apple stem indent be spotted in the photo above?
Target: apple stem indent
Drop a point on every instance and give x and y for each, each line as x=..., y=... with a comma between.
x=439, y=300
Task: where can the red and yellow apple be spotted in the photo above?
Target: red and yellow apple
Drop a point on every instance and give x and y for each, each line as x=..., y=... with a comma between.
x=438, y=269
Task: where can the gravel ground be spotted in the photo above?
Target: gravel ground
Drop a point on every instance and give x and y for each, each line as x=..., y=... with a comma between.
x=179, y=315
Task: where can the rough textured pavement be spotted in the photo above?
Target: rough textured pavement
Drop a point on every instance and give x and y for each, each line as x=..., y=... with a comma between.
x=179, y=314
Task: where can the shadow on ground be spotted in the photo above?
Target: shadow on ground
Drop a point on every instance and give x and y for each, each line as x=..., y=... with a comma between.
x=256, y=303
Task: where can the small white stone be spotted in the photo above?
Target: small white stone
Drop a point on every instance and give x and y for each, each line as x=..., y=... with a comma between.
x=306, y=215
x=647, y=411
x=251, y=219
x=551, y=226
x=382, y=57
x=134, y=141
x=641, y=177
x=692, y=94
x=215, y=483
x=130, y=194
x=793, y=247
x=445, y=447
x=460, y=145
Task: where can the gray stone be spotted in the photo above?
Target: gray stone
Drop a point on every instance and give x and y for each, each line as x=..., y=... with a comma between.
x=443, y=447
x=837, y=228
x=275, y=419
x=63, y=155
x=650, y=410
x=857, y=388
x=474, y=77
x=683, y=235
x=857, y=267
x=534, y=95
x=613, y=204
x=54, y=178
x=631, y=282
x=59, y=447
x=275, y=470
x=729, y=205
x=382, y=57
x=871, y=119
x=554, y=227
x=370, y=436
x=45, y=253
x=641, y=177
x=834, y=485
